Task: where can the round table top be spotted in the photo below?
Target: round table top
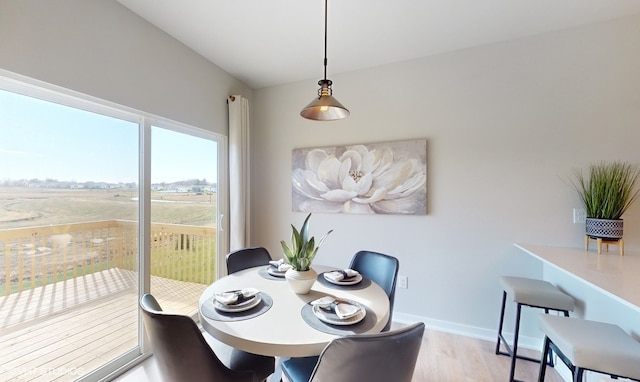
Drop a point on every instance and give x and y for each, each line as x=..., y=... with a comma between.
x=281, y=330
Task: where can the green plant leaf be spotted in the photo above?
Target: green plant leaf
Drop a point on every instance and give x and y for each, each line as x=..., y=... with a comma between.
x=302, y=249
x=608, y=190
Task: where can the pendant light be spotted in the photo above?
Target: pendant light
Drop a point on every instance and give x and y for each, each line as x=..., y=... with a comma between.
x=324, y=107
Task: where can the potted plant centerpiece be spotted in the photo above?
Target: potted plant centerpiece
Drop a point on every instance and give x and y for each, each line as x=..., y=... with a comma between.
x=606, y=192
x=300, y=256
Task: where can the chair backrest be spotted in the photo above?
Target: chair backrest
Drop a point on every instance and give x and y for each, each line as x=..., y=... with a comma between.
x=181, y=351
x=247, y=258
x=380, y=357
x=381, y=269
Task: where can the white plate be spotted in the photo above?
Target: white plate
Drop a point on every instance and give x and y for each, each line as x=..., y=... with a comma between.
x=274, y=272
x=241, y=307
x=351, y=281
x=333, y=319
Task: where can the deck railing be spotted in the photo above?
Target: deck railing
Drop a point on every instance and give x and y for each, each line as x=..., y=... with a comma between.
x=37, y=256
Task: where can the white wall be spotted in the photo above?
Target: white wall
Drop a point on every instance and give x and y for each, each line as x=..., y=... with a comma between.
x=505, y=125
x=102, y=49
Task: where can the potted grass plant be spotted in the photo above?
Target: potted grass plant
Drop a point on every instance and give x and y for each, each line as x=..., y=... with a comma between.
x=300, y=254
x=606, y=192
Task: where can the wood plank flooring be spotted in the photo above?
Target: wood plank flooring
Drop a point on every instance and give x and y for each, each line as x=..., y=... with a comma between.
x=58, y=332
x=444, y=357
x=84, y=322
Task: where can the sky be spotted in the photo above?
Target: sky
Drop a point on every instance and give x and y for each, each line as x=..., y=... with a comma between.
x=44, y=140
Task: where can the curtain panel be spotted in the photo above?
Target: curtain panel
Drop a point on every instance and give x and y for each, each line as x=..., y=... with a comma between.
x=238, y=172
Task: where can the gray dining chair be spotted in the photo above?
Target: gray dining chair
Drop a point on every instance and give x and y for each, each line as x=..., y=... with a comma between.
x=183, y=354
x=380, y=357
x=381, y=269
x=247, y=258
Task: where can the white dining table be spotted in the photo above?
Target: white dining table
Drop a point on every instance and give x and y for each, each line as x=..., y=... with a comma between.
x=281, y=331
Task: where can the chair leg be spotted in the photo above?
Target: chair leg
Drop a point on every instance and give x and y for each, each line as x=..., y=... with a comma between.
x=514, y=350
x=577, y=374
x=543, y=367
x=504, y=302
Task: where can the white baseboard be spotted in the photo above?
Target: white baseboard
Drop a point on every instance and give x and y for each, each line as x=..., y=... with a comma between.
x=468, y=331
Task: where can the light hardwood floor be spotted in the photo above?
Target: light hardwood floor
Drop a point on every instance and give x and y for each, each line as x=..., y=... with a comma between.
x=443, y=357
x=50, y=327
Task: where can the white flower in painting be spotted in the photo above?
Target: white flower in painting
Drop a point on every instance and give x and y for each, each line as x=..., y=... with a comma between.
x=360, y=181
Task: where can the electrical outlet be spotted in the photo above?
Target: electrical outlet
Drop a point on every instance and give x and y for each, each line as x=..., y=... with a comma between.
x=579, y=215
x=403, y=282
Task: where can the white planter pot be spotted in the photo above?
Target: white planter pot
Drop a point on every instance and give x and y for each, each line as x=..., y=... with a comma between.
x=301, y=282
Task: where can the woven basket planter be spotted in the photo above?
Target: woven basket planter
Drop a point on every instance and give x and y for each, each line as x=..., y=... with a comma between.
x=604, y=228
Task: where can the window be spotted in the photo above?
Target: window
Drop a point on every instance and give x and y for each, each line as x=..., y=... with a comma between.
x=74, y=180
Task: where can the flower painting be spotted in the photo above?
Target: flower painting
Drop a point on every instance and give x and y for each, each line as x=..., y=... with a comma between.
x=380, y=178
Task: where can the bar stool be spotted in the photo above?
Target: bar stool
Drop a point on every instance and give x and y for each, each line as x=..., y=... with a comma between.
x=535, y=294
x=590, y=345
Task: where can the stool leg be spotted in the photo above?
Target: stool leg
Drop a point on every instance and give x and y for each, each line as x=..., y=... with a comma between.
x=514, y=351
x=543, y=367
x=550, y=360
x=504, y=302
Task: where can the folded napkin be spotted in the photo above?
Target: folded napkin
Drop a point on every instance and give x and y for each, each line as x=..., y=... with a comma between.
x=346, y=310
x=324, y=302
x=280, y=265
x=236, y=296
x=340, y=275
x=342, y=309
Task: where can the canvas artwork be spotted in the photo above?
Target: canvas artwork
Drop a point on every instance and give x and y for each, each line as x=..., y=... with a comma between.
x=378, y=178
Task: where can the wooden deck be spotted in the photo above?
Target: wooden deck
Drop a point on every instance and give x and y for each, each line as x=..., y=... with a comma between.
x=61, y=331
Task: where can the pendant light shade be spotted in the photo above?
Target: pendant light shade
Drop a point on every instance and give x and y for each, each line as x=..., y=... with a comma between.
x=324, y=107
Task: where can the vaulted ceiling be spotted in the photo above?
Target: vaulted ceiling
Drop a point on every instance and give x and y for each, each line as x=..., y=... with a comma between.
x=271, y=42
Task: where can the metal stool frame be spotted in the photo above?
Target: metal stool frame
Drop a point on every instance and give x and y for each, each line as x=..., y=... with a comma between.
x=513, y=352
x=576, y=372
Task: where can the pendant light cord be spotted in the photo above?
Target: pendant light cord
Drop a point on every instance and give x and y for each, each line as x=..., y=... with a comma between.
x=325, y=39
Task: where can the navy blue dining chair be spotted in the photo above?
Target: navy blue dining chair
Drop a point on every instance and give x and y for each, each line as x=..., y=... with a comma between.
x=379, y=357
x=381, y=269
x=247, y=258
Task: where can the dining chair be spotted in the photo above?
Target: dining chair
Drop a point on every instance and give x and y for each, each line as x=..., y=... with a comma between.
x=183, y=354
x=247, y=258
x=380, y=357
x=381, y=269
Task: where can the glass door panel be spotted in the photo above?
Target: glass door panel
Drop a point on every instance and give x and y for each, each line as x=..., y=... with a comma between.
x=68, y=239
x=184, y=210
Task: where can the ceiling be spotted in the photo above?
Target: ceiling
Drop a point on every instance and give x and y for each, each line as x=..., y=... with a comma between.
x=271, y=42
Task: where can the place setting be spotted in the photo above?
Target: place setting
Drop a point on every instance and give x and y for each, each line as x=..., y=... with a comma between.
x=235, y=305
x=338, y=316
x=275, y=270
x=341, y=278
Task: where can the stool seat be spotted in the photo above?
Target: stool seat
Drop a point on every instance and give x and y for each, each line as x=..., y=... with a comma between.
x=534, y=294
x=593, y=345
x=537, y=293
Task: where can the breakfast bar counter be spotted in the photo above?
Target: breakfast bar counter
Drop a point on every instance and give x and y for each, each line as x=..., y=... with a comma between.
x=615, y=276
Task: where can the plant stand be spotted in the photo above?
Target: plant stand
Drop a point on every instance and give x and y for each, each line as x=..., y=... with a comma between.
x=606, y=242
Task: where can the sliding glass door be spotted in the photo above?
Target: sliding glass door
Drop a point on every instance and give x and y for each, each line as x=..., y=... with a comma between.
x=97, y=205
x=68, y=241
x=184, y=198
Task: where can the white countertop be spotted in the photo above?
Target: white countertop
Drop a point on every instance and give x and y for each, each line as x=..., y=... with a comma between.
x=614, y=275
